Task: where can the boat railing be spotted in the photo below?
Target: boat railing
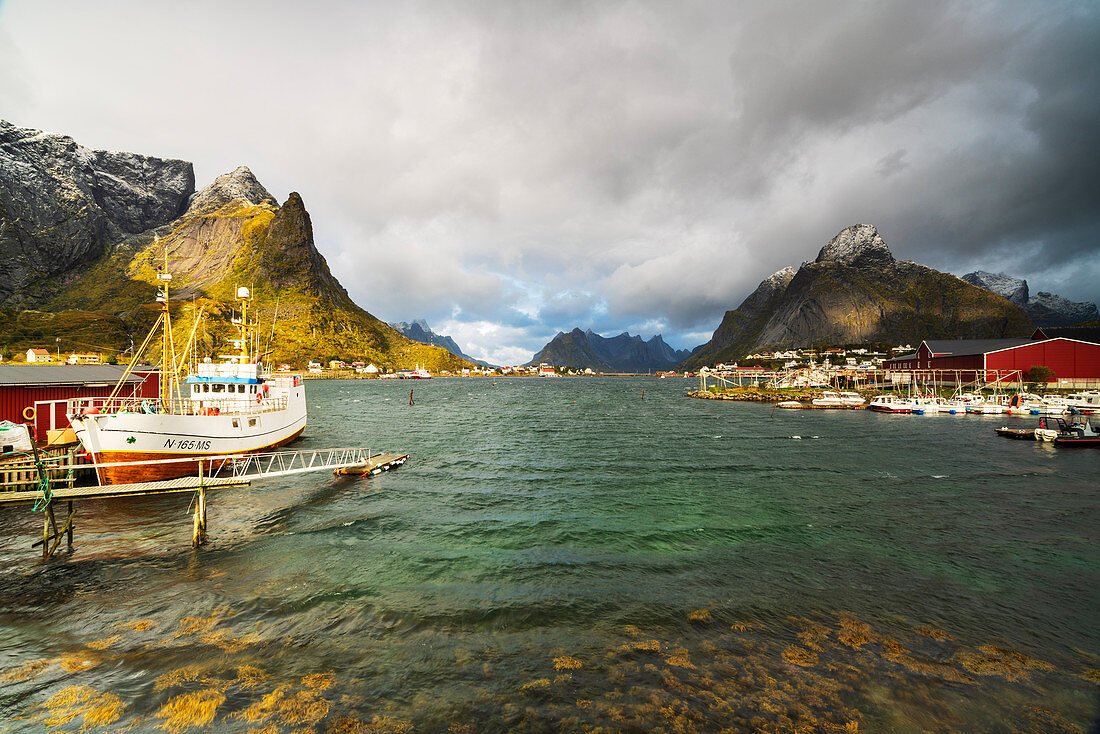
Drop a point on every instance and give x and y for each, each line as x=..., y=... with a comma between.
x=186, y=406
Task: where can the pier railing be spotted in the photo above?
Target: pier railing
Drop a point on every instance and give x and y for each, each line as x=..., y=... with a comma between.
x=262, y=465
x=284, y=463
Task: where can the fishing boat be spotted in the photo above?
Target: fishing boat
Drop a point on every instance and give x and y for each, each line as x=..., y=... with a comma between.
x=232, y=406
x=890, y=404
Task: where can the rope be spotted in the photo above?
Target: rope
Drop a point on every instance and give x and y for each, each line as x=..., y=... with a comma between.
x=45, y=494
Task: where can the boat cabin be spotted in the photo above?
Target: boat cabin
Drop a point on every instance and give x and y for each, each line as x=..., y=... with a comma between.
x=227, y=386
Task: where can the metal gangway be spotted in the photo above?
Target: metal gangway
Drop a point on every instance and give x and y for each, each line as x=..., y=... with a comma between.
x=252, y=467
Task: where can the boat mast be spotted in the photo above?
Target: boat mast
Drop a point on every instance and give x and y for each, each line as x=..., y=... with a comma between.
x=243, y=327
x=169, y=370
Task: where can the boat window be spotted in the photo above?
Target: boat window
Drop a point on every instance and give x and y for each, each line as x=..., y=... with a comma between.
x=206, y=387
x=218, y=387
x=236, y=423
x=251, y=422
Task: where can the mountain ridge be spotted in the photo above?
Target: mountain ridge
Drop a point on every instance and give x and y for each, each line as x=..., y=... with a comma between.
x=230, y=233
x=622, y=353
x=419, y=331
x=1045, y=309
x=855, y=291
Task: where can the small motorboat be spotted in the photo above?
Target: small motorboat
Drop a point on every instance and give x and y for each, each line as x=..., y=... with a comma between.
x=828, y=399
x=1047, y=431
x=890, y=404
x=852, y=399
x=1076, y=435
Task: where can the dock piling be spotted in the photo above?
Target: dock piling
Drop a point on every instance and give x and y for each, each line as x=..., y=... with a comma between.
x=199, y=535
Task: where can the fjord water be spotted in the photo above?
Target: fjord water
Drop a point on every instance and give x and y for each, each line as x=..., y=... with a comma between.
x=569, y=553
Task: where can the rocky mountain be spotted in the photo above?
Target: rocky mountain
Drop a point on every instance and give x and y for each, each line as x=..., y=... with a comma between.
x=64, y=204
x=623, y=353
x=855, y=292
x=419, y=331
x=130, y=216
x=1045, y=309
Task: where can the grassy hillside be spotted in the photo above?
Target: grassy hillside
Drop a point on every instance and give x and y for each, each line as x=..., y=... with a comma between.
x=210, y=253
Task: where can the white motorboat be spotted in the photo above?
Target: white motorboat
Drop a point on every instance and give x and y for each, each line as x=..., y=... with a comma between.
x=828, y=399
x=890, y=404
x=1084, y=402
x=852, y=399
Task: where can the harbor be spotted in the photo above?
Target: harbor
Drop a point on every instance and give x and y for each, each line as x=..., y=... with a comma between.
x=552, y=539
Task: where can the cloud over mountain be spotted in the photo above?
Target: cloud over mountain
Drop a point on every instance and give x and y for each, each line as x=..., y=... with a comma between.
x=532, y=167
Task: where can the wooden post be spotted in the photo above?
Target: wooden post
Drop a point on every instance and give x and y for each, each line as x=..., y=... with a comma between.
x=198, y=537
x=46, y=531
x=70, y=523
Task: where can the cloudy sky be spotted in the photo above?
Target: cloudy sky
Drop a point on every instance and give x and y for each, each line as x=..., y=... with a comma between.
x=507, y=169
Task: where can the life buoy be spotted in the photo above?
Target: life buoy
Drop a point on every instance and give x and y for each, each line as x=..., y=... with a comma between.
x=259, y=398
x=29, y=413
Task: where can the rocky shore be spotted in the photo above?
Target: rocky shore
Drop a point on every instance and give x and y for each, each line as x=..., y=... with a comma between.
x=756, y=395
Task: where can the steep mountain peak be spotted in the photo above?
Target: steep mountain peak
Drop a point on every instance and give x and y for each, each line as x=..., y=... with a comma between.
x=857, y=245
x=780, y=278
x=1045, y=309
x=857, y=292
x=1014, y=289
x=237, y=185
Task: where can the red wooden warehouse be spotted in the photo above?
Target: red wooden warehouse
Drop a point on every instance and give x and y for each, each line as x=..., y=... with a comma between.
x=1075, y=363
x=36, y=394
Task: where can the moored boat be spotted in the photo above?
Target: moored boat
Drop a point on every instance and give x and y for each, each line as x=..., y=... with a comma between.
x=229, y=407
x=1084, y=402
x=852, y=399
x=828, y=399
x=1076, y=435
x=1023, y=403
x=890, y=404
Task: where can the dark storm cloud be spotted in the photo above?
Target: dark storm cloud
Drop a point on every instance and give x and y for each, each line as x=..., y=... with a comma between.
x=507, y=170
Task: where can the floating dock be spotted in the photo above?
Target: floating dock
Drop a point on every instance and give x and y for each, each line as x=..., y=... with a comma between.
x=214, y=472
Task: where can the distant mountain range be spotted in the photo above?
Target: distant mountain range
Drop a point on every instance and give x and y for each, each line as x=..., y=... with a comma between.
x=83, y=233
x=419, y=331
x=856, y=292
x=623, y=353
x=1045, y=309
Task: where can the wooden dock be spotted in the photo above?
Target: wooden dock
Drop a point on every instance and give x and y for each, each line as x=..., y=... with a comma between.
x=214, y=472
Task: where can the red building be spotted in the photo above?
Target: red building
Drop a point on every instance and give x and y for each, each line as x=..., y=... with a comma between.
x=36, y=394
x=1075, y=363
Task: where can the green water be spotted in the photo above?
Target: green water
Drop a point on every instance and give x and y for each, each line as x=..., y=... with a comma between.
x=570, y=554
